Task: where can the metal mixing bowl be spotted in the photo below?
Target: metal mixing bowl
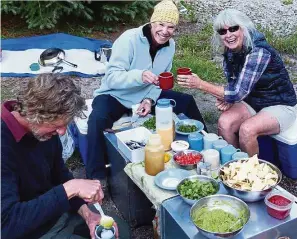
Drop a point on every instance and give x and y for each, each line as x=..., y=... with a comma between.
x=227, y=203
x=194, y=178
x=249, y=196
x=188, y=166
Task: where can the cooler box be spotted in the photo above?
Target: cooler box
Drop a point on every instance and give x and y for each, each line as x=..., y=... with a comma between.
x=281, y=150
x=79, y=129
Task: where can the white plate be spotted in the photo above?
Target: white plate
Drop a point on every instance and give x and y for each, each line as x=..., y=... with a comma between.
x=170, y=178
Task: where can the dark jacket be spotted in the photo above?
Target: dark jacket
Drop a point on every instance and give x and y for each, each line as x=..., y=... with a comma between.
x=274, y=86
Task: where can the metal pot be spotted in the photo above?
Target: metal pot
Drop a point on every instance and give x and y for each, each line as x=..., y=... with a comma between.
x=53, y=57
x=103, y=54
x=226, y=203
x=250, y=196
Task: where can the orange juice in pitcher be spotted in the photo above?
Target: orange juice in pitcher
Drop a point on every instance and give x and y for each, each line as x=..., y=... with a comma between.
x=166, y=137
x=164, y=121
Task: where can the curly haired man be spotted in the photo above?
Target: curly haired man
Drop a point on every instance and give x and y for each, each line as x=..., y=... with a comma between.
x=39, y=196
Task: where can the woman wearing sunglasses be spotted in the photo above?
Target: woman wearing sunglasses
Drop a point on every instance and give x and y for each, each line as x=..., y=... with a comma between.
x=259, y=98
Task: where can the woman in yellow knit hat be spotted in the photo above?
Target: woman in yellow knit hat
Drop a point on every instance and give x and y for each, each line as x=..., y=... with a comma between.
x=139, y=55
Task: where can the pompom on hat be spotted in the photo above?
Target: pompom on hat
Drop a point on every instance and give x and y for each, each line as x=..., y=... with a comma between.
x=165, y=11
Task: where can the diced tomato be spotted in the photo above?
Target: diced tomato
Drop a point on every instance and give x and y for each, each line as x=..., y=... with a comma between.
x=186, y=159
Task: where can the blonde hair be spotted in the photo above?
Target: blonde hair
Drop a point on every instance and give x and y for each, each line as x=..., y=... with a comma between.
x=232, y=17
x=49, y=97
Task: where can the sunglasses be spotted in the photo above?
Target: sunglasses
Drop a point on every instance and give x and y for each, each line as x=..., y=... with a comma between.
x=223, y=31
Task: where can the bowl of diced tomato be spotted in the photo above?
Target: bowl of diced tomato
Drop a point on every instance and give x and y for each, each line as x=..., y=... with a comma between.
x=187, y=159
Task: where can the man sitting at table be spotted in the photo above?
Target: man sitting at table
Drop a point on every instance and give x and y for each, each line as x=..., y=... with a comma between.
x=139, y=55
x=39, y=196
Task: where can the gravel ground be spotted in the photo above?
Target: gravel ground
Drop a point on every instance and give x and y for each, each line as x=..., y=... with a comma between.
x=271, y=14
x=279, y=17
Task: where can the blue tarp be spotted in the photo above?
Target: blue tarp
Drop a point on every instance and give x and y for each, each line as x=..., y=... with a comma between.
x=57, y=40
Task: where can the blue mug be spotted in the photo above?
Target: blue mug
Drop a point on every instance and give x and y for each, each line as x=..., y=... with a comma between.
x=240, y=155
x=208, y=140
x=227, y=153
x=219, y=144
x=196, y=141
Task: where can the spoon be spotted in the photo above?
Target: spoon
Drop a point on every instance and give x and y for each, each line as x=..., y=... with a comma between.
x=234, y=224
x=106, y=221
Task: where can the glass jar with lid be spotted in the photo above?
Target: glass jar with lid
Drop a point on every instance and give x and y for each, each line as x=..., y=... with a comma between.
x=154, y=155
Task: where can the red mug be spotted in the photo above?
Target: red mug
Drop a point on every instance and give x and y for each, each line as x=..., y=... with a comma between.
x=166, y=80
x=184, y=71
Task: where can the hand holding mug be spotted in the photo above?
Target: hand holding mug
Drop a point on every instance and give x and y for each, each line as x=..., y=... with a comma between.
x=149, y=78
x=189, y=81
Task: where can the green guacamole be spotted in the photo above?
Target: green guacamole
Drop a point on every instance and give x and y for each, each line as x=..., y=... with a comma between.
x=217, y=220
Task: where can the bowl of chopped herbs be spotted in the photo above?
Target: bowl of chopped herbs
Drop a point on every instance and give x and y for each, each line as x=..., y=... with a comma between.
x=150, y=123
x=195, y=187
x=188, y=126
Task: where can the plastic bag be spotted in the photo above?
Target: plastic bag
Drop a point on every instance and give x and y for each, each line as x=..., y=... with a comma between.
x=67, y=144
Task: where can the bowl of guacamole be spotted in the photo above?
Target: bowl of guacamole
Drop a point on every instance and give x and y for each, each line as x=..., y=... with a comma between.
x=220, y=216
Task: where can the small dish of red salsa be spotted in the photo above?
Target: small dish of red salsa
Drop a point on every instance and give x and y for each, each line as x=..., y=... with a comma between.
x=279, y=204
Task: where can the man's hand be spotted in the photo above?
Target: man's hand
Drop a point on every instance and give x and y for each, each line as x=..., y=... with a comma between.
x=149, y=78
x=222, y=105
x=89, y=190
x=92, y=220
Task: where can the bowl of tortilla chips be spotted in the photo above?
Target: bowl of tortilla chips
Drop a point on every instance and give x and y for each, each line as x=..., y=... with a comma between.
x=249, y=179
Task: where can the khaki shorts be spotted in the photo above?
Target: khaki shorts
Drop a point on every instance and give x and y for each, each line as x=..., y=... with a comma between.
x=284, y=114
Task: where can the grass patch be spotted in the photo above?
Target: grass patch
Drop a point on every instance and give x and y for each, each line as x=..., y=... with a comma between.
x=210, y=117
x=286, y=45
x=195, y=51
x=287, y=2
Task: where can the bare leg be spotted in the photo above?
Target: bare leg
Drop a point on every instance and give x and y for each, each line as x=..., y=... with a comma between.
x=230, y=121
x=260, y=124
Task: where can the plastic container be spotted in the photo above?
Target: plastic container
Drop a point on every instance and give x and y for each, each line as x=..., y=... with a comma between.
x=139, y=134
x=278, y=204
x=179, y=145
x=100, y=231
x=154, y=155
x=281, y=150
x=196, y=141
x=164, y=121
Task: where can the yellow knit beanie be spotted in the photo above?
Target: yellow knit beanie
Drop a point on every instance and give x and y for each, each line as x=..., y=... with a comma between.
x=165, y=11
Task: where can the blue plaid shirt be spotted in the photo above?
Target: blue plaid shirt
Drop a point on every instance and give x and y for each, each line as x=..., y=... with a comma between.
x=240, y=86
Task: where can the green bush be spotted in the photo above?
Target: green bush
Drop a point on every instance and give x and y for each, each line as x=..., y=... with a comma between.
x=46, y=14
x=123, y=11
